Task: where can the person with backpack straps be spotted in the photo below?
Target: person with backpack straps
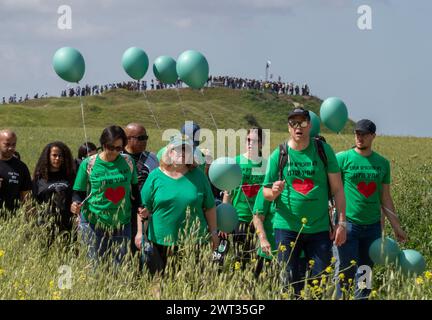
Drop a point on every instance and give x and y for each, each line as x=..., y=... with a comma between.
x=300, y=194
x=105, y=189
x=145, y=162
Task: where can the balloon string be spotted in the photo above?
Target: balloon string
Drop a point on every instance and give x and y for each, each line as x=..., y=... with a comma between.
x=389, y=211
x=151, y=110
x=344, y=139
x=211, y=114
x=181, y=102
x=83, y=121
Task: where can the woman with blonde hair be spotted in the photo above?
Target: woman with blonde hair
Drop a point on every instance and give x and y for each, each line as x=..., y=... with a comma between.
x=170, y=191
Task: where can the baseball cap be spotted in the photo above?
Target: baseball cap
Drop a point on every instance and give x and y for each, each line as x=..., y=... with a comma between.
x=365, y=126
x=177, y=141
x=189, y=129
x=298, y=111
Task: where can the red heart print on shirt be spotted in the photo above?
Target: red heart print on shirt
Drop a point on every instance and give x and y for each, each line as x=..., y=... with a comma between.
x=115, y=195
x=250, y=190
x=303, y=186
x=366, y=189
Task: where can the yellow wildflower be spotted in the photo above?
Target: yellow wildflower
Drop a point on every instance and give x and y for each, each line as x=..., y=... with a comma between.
x=329, y=269
x=285, y=295
x=341, y=276
x=292, y=244
x=373, y=294
x=333, y=260
x=311, y=263
x=304, y=220
x=315, y=282
x=323, y=280
x=317, y=291
x=419, y=280
x=2, y=252
x=428, y=275
x=237, y=265
x=56, y=295
x=51, y=284
x=282, y=248
x=253, y=260
x=353, y=262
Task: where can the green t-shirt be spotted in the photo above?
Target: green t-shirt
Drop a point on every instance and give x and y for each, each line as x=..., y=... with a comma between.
x=110, y=185
x=264, y=208
x=363, y=178
x=168, y=199
x=243, y=197
x=306, y=190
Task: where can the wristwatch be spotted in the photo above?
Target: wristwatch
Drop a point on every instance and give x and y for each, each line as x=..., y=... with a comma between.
x=342, y=224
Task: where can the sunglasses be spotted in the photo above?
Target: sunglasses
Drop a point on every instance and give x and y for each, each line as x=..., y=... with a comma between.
x=113, y=148
x=139, y=138
x=298, y=124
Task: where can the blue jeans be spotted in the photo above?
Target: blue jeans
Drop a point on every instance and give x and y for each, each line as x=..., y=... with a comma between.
x=356, y=247
x=102, y=243
x=316, y=246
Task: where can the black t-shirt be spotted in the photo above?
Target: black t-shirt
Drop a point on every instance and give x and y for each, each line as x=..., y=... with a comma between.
x=56, y=189
x=14, y=178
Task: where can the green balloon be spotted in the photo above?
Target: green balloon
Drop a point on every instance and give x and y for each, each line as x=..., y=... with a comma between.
x=193, y=68
x=334, y=114
x=411, y=262
x=161, y=153
x=69, y=64
x=225, y=174
x=316, y=122
x=135, y=62
x=384, y=251
x=164, y=69
x=227, y=217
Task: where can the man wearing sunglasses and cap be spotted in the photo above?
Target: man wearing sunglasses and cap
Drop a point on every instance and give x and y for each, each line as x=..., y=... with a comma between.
x=366, y=178
x=145, y=162
x=300, y=192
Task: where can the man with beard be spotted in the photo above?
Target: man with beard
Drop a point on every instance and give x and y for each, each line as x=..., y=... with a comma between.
x=366, y=179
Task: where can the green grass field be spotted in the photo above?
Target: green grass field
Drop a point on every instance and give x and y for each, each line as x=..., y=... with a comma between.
x=28, y=270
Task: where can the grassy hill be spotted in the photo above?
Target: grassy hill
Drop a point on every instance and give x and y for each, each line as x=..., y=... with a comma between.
x=229, y=108
x=34, y=272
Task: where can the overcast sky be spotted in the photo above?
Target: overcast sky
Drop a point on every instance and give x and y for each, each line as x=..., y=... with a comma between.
x=382, y=74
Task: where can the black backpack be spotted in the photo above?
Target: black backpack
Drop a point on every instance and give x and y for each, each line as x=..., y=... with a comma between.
x=319, y=145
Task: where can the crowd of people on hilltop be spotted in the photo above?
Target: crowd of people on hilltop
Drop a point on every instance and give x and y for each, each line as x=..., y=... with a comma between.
x=15, y=99
x=277, y=87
